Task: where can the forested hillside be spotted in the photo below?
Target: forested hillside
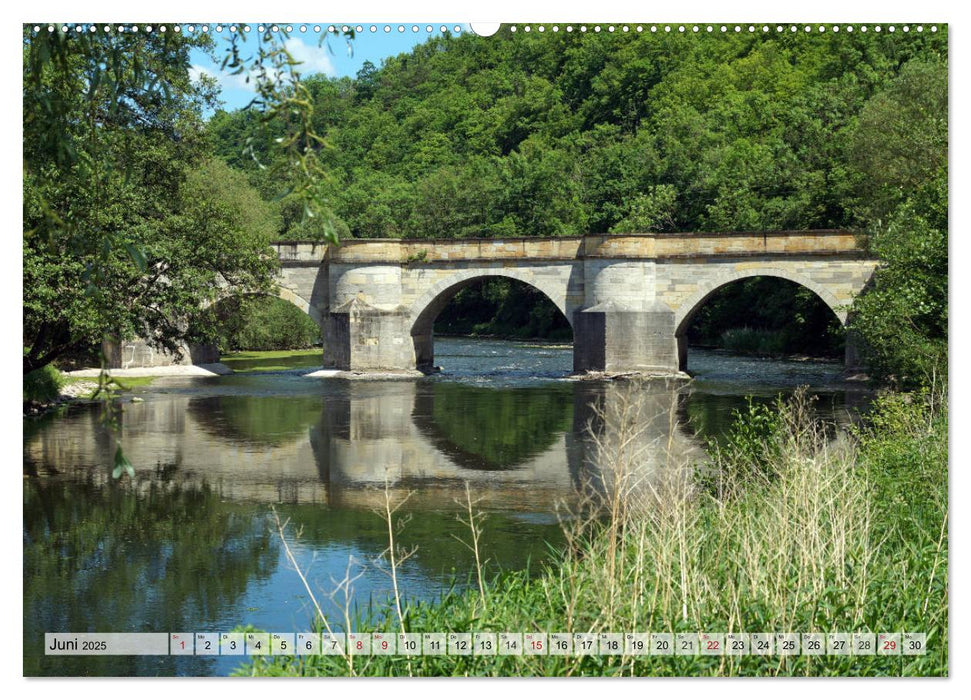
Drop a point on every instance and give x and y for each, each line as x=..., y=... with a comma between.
x=558, y=134
x=565, y=134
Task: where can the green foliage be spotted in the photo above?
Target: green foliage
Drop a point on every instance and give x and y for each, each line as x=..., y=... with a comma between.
x=233, y=201
x=501, y=306
x=767, y=315
x=128, y=226
x=562, y=134
x=257, y=323
x=899, y=144
x=749, y=341
x=902, y=151
x=193, y=228
x=902, y=319
x=420, y=256
x=651, y=211
x=274, y=324
x=905, y=448
x=748, y=455
x=905, y=439
x=43, y=385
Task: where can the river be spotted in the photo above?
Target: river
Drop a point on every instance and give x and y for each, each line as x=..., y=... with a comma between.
x=190, y=544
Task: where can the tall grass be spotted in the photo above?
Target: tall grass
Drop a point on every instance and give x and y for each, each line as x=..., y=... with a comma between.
x=788, y=528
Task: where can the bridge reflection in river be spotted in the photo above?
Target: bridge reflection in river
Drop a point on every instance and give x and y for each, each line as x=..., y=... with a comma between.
x=338, y=442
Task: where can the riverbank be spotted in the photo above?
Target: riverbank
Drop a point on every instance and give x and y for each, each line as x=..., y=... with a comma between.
x=74, y=388
x=207, y=370
x=796, y=533
x=272, y=360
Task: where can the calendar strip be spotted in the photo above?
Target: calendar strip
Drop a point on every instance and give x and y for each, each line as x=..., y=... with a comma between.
x=489, y=644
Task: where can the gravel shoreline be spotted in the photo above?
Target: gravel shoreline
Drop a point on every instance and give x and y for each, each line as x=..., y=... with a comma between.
x=75, y=392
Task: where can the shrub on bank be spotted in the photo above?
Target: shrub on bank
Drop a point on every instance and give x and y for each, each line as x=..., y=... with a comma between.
x=258, y=323
x=43, y=385
x=752, y=341
x=274, y=324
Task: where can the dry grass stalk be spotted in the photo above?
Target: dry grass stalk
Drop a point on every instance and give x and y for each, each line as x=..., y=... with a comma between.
x=474, y=523
x=345, y=585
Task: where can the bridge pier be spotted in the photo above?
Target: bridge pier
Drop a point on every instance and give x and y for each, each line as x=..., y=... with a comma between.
x=362, y=337
x=852, y=358
x=424, y=344
x=607, y=338
x=138, y=353
x=624, y=327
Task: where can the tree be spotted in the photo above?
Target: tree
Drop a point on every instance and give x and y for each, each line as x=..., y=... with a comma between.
x=902, y=319
x=900, y=149
x=900, y=142
x=124, y=230
x=201, y=229
x=366, y=81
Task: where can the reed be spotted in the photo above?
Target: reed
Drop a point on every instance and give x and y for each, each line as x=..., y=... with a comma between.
x=791, y=527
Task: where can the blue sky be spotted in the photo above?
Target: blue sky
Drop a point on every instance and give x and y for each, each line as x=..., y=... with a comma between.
x=336, y=57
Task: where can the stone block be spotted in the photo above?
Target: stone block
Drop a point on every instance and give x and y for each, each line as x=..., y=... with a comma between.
x=611, y=339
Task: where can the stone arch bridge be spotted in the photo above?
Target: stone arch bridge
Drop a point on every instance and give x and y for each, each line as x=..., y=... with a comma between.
x=629, y=298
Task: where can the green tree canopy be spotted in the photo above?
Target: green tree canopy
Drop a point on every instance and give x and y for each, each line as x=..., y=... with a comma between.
x=128, y=225
x=569, y=133
x=900, y=149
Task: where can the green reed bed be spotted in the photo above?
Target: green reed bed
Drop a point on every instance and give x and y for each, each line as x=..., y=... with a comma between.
x=789, y=529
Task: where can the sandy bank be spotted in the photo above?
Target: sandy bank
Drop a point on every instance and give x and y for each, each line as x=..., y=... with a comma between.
x=211, y=370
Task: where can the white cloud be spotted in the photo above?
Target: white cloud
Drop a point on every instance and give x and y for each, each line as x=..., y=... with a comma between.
x=312, y=60
x=196, y=72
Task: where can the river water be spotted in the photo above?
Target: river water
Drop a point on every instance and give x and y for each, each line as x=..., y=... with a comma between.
x=191, y=545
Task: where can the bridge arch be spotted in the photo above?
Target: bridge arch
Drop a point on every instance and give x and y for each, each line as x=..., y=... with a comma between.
x=686, y=311
x=431, y=303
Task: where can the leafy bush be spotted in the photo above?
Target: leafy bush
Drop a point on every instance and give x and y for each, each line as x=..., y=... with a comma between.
x=43, y=384
x=273, y=324
x=258, y=323
x=902, y=318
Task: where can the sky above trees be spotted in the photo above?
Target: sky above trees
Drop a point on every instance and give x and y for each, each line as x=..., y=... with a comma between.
x=323, y=52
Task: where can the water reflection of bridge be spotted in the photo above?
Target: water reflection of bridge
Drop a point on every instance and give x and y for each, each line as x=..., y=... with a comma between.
x=517, y=448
